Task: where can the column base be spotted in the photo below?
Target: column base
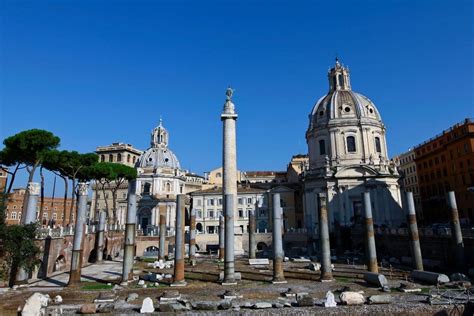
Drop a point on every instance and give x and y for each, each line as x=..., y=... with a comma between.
x=227, y=283
x=178, y=284
x=326, y=280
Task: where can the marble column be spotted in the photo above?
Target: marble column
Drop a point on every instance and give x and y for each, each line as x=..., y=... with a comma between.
x=178, y=279
x=278, y=254
x=456, y=232
x=162, y=251
x=192, y=237
x=326, y=272
x=221, y=237
x=130, y=228
x=369, y=229
x=79, y=229
x=229, y=189
x=252, y=226
x=33, y=191
x=414, y=237
x=100, y=236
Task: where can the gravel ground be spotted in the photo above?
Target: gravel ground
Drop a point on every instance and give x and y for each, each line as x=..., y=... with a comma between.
x=258, y=289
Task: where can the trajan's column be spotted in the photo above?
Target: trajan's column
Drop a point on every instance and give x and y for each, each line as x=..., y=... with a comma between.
x=229, y=189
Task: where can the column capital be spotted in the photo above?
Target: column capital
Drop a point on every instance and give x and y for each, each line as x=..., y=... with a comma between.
x=82, y=188
x=33, y=188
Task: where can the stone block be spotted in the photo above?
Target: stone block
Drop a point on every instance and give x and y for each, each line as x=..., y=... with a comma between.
x=376, y=279
x=147, y=306
x=35, y=304
x=304, y=300
x=259, y=262
x=380, y=299
x=262, y=305
x=352, y=298
x=88, y=309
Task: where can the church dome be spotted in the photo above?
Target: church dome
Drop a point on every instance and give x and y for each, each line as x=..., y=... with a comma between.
x=341, y=102
x=159, y=155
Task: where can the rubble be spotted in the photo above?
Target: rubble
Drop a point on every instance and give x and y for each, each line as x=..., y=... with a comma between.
x=262, y=305
x=408, y=287
x=289, y=293
x=35, y=305
x=314, y=266
x=429, y=277
x=329, y=301
x=58, y=299
x=131, y=297
x=88, y=309
x=170, y=296
x=352, y=298
x=147, y=306
x=380, y=299
x=304, y=300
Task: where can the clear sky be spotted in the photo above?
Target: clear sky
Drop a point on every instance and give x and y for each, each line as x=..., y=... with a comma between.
x=97, y=72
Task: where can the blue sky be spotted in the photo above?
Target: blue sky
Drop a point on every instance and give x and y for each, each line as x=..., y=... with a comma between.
x=97, y=72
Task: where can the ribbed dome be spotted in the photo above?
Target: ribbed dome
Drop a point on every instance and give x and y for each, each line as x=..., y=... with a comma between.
x=159, y=157
x=341, y=102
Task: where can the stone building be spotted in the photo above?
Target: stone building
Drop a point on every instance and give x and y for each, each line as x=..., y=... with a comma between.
x=3, y=178
x=121, y=153
x=446, y=163
x=160, y=179
x=347, y=156
x=53, y=209
x=409, y=179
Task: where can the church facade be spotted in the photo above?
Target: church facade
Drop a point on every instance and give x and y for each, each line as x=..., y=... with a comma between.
x=160, y=179
x=347, y=156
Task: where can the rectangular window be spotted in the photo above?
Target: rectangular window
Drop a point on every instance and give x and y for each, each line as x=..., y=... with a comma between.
x=241, y=213
x=219, y=202
x=199, y=202
x=241, y=201
x=249, y=200
x=211, y=214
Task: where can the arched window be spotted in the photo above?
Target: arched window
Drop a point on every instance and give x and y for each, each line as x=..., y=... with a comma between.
x=351, y=144
x=134, y=159
x=378, y=148
x=119, y=157
x=102, y=158
x=111, y=158
x=128, y=157
x=322, y=147
x=218, y=175
x=168, y=187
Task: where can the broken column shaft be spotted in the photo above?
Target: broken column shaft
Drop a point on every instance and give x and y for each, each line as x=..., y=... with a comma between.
x=278, y=255
x=162, y=250
x=369, y=229
x=252, y=227
x=100, y=237
x=192, y=237
x=29, y=218
x=178, y=279
x=221, y=237
x=456, y=232
x=130, y=228
x=79, y=229
x=326, y=272
x=414, y=237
